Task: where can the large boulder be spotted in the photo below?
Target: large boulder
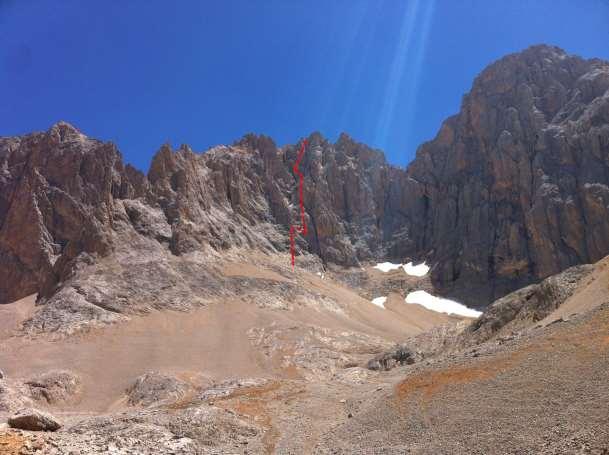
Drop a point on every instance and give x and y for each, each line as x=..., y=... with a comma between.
x=33, y=420
x=154, y=388
x=385, y=361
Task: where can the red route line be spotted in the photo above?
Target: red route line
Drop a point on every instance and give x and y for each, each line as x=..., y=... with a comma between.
x=302, y=229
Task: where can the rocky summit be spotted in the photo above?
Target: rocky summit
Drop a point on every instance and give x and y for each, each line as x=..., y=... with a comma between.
x=514, y=188
x=159, y=312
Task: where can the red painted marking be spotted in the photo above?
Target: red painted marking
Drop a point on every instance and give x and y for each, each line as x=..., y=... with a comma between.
x=302, y=229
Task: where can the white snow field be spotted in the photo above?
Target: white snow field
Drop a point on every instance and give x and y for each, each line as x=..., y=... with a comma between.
x=387, y=266
x=379, y=301
x=410, y=269
x=416, y=270
x=441, y=305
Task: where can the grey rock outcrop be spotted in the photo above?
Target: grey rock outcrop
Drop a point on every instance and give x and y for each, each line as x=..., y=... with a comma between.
x=13, y=396
x=523, y=308
x=54, y=387
x=154, y=388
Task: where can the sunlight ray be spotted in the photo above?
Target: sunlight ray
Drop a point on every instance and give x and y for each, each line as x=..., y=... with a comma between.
x=406, y=69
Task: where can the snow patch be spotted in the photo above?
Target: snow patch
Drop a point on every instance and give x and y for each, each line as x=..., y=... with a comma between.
x=387, y=266
x=440, y=305
x=416, y=270
x=410, y=268
x=380, y=301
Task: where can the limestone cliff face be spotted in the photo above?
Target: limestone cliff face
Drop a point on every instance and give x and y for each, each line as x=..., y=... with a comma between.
x=514, y=188
x=56, y=200
x=246, y=195
x=517, y=182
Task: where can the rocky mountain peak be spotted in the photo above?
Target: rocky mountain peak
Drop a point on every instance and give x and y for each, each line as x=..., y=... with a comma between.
x=162, y=164
x=256, y=142
x=510, y=177
x=316, y=139
x=64, y=132
x=514, y=188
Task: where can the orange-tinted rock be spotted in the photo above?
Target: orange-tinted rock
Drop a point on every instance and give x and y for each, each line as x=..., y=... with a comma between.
x=521, y=192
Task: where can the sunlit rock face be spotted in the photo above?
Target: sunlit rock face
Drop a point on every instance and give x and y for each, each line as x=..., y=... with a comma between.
x=514, y=188
x=517, y=183
x=56, y=201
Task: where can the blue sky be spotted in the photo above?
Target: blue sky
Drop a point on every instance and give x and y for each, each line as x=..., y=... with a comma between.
x=141, y=73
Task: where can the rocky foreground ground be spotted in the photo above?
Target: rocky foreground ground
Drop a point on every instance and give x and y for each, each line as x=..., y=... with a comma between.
x=524, y=378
